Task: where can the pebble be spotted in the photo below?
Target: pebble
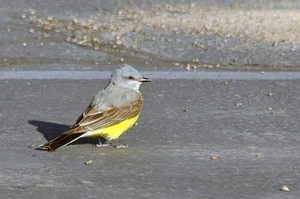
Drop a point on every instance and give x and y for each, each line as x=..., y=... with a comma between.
x=214, y=157
x=88, y=162
x=284, y=188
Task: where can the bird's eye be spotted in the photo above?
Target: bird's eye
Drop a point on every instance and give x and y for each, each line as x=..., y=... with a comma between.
x=130, y=77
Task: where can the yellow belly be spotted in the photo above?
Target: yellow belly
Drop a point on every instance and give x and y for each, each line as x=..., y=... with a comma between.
x=114, y=131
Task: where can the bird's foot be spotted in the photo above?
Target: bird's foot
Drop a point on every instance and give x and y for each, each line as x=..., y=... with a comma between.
x=102, y=142
x=120, y=145
x=103, y=145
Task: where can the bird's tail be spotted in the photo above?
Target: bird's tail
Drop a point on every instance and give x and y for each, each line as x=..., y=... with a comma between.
x=60, y=141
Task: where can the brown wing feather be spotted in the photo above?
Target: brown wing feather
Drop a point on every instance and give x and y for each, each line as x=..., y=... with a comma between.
x=92, y=119
x=90, y=110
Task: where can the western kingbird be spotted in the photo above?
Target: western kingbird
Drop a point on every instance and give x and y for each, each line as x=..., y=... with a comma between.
x=111, y=112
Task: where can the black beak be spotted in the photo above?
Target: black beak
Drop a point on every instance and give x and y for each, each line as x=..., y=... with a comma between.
x=144, y=79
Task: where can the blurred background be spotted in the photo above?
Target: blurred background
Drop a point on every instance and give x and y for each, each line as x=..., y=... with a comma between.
x=192, y=35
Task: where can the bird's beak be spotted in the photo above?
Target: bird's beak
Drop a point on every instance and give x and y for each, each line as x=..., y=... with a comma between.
x=144, y=79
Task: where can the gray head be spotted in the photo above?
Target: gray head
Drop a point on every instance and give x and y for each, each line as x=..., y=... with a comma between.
x=126, y=76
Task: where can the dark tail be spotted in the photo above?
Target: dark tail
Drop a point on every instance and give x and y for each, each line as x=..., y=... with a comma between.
x=60, y=141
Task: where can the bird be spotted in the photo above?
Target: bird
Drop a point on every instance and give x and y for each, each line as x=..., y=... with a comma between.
x=110, y=113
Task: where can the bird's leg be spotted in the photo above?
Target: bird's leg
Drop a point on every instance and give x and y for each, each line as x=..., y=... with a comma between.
x=102, y=142
x=120, y=145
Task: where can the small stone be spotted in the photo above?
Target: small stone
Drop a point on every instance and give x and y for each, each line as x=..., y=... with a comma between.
x=50, y=18
x=186, y=110
x=214, y=157
x=76, y=58
x=135, y=124
x=118, y=40
x=270, y=94
x=89, y=162
x=31, y=11
x=284, y=188
x=188, y=67
x=239, y=104
x=32, y=146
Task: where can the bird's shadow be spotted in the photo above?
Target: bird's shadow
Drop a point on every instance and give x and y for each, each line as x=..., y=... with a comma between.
x=52, y=130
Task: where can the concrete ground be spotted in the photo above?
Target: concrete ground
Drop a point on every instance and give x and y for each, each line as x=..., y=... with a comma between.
x=196, y=138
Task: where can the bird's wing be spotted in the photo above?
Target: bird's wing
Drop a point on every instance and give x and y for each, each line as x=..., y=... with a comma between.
x=93, y=118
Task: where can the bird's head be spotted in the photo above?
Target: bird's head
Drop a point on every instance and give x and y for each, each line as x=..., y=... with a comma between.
x=128, y=77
